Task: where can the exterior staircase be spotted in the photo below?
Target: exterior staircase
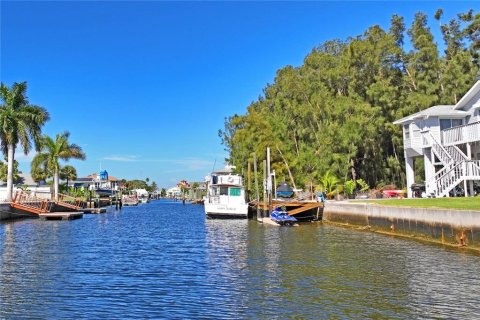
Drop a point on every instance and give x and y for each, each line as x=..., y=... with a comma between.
x=457, y=167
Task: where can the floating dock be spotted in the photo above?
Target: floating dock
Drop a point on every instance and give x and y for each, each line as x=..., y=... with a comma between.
x=270, y=222
x=60, y=215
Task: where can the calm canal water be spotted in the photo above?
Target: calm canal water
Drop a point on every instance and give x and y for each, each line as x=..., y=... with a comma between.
x=165, y=260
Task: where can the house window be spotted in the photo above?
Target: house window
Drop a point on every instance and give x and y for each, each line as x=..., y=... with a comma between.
x=450, y=123
x=223, y=191
x=456, y=122
x=406, y=130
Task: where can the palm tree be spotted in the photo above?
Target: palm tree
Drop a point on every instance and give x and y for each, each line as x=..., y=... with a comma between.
x=4, y=171
x=68, y=173
x=195, y=187
x=51, y=151
x=20, y=122
x=329, y=182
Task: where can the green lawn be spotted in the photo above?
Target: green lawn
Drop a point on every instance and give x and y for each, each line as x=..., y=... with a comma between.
x=472, y=203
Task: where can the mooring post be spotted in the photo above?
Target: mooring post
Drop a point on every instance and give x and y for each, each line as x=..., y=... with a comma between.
x=249, y=185
x=269, y=184
x=264, y=188
x=256, y=186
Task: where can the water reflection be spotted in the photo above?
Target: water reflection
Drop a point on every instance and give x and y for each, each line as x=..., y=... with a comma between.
x=165, y=260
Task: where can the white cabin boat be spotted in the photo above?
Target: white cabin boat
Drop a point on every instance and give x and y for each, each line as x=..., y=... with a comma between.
x=225, y=195
x=142, y=195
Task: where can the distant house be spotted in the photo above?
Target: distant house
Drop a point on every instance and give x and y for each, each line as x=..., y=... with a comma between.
x=26, y=183
x=199, y=192
x=97, y=181
x=174, y=192
x=447, y=137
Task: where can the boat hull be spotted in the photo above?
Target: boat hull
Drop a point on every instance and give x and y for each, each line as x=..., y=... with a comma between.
x=223, y=211
x=282, y=218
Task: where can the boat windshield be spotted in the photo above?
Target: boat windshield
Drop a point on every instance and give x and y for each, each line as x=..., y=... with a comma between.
x=223, y=191
x=235, y=192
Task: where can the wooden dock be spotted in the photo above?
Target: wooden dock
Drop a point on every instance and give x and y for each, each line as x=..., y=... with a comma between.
x=60, y=215
x=299, y=209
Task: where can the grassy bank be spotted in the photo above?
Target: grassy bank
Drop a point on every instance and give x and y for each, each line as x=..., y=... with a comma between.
x=460, y=203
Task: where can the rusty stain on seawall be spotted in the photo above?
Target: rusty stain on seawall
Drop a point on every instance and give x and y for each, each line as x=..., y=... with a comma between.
x=452, y=227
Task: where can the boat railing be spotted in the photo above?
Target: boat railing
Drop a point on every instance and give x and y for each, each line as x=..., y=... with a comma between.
x=215, y=199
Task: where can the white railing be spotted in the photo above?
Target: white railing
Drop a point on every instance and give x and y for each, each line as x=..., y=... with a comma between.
x=449, y=179
x=431, y=184
x=473, y=169
x=461, y=134
x=456, y=154
x=440, y=151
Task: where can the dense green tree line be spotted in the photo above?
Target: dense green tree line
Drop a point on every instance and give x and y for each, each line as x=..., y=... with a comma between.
x=335, y=112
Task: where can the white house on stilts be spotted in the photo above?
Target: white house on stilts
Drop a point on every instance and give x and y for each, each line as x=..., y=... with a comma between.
x=448, y=139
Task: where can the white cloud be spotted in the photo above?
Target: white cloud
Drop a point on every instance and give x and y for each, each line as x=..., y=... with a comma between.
x=126, y=158
x=193, y=164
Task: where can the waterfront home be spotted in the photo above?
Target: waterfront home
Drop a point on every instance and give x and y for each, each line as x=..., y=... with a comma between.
x=97, y=181
x=447, y=137
x=174, y=192
x=196, y=193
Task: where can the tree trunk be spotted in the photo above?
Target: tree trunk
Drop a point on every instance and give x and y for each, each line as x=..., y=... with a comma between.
x=10, y=159
x=288, y=167
x=55, y=184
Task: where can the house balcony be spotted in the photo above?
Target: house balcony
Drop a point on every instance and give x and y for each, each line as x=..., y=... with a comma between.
x=461, y=134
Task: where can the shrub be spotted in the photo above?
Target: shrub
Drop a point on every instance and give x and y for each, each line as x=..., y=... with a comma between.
x=349, y=187
x=363, y=185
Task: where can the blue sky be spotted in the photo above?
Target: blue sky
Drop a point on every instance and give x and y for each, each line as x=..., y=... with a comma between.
x=144, y=87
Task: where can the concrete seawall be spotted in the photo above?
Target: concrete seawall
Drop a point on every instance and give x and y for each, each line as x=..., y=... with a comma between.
x=5, y=211
x=456, y=227
x=8, y=213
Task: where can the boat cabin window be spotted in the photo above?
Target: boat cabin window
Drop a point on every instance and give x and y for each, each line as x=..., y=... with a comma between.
x=449, y=123
x=235, y=192
x=224, y=191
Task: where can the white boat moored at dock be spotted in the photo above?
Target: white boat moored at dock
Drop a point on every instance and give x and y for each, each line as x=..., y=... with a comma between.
x=225, y=195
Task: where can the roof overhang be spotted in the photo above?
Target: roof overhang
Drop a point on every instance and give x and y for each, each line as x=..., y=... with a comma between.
x=469, y=95
x=441, y=112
